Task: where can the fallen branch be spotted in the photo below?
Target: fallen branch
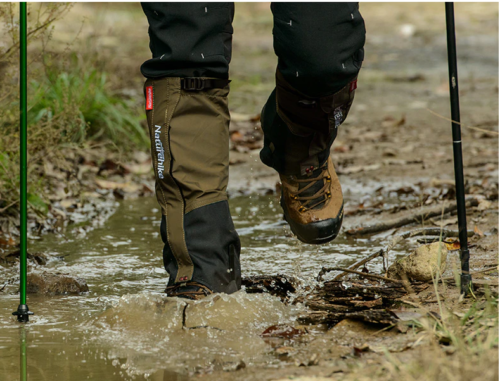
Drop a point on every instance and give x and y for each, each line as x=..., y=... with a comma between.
x=418, y=216
x=433, y=232
x=324, y=270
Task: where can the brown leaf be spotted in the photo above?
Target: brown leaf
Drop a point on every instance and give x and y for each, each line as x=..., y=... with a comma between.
x=255, y=118
x=342, y=149
x=7, y=242
x=236, y=136
x=283, y=331
x=389, y=122
x=478, y=231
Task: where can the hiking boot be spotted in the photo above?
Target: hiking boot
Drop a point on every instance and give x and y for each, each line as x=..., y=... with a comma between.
x=188, y=290
x=313, y=204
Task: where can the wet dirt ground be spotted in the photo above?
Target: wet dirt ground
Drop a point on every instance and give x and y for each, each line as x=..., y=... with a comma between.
x=393, y=156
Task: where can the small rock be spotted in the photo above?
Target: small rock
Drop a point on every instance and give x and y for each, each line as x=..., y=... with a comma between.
x=55, y=284
x=422, y=264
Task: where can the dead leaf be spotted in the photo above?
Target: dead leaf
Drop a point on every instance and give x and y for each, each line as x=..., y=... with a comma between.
x=444, y=222
x=478, y=231
x=439, y=183
x=484, y=205
x=7, y=242
x=342, y=149
x=139, y=169
x=236, y=136
x=255, y=118
x=112, y=185
x=389, y=152
x=390, y=122
x=283, y=331
x=357, y=169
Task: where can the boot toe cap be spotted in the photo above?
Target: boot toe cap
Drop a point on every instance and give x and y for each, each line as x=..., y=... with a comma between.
x=317, y=232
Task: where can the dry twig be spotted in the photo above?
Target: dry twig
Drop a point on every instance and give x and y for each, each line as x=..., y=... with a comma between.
x=324, y=270
x=379, y=253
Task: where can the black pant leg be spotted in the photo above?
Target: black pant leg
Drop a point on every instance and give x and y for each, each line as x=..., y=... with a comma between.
x=189, y=39
x=319, y=45
x=320, y=51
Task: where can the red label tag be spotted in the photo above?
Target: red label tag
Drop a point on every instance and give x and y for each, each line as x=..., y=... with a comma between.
x=353, y=85
x=149, y=97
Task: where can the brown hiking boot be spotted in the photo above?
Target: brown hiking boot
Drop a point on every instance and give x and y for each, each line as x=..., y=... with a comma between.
x=188, y=290
x=313, y=203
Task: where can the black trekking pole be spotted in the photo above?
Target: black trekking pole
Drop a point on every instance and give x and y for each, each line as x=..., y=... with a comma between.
x=465, y=277
x=23, y=311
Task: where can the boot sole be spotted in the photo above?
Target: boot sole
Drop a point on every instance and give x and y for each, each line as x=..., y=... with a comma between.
x=316, y=232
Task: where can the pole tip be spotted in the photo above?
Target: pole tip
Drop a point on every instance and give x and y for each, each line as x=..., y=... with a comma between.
x=466, y=284
x=23, y=313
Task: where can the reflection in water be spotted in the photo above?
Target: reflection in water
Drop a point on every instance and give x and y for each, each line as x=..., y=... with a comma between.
x=23, y=355
x=124, y=328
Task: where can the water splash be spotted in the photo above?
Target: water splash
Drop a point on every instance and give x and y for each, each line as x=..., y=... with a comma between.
x=152, y=331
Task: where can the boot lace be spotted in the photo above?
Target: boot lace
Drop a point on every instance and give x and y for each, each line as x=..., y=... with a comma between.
x=323, y=193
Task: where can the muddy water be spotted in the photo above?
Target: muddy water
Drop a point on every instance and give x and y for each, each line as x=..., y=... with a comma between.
x=124, y=328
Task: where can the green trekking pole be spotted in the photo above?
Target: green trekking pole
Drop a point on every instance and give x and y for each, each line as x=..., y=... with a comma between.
x=23, y=311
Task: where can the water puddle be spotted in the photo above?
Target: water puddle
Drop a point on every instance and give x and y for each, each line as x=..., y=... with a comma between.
x=125, y=328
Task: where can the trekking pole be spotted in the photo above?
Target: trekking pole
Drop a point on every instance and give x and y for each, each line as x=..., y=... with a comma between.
x=465, y=277
x=23, y=311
